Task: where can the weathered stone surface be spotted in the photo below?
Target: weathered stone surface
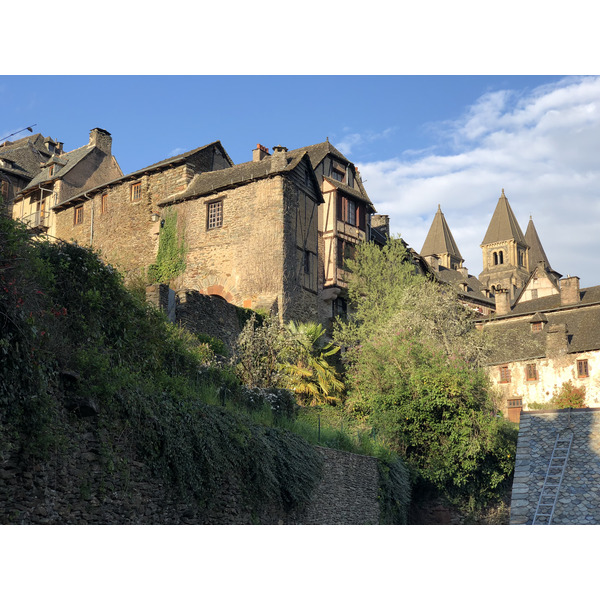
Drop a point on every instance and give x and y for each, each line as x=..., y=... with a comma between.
x=578, y=501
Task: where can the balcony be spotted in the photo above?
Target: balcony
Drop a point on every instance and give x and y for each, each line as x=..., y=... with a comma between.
x=36, y=221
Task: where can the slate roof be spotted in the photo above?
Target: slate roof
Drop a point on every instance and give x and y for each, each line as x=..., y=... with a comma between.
x=586, y=296
x=214, y=181
x=536, y=250
x=514, y=340
x=26, y=154
x=69, y=160
x=155, y=166
x=349, y=191
x=440, y=240
x=317, y=152
x=504, y=225
x=475, y=289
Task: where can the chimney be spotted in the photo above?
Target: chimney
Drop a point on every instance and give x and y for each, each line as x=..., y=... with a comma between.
x=279, y=160
x=463, y=271
x=556, y=340
x=502, y=302
x=569, y=290
x=381, y=223
x=259, y=153
x=101, y=139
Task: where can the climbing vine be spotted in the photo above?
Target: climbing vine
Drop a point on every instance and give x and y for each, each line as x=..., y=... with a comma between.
x=170, y=258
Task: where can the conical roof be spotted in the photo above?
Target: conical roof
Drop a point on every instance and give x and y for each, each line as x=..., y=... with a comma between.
x=504, y=225
x=439, y=240
x=536, y=251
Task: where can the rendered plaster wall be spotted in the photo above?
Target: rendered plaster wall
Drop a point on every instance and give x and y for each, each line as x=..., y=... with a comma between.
x=579, y=497
x=551, y=374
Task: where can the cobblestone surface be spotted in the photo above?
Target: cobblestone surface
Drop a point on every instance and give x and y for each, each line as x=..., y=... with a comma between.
x=579, y=498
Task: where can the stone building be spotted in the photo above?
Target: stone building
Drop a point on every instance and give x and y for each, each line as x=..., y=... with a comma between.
x=445, y=262
x=121, y=216
x=541, y=343
x=271, y=233
x=61, y=176
x=505, y=252
x=20, y=161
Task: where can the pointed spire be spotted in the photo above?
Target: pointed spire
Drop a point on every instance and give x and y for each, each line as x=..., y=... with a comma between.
x=439, y=240
x=536, y=250
x=504, y=225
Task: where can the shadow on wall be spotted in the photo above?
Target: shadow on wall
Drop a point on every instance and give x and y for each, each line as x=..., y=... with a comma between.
x=199, y=313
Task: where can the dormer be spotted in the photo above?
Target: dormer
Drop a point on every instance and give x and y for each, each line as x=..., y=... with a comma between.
x=538, y=322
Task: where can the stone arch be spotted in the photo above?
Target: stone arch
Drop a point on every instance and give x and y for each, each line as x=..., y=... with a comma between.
x=213, y=287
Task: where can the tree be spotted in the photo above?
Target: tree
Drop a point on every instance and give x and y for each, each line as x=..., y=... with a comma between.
x=414, y=374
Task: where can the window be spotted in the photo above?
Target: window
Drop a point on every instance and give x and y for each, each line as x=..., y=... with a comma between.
x=339, y=307
x=534, y=294
x=583, y=369
x=78, y=216
x=214, y=215
x=136, y=191
x=531, y=372
x=345, y=250
x=536, y=326
x=103, y=203
x=514, y=403
x=350, y=212
x=501, y=257
x=51, y=171
x=4, y=189
x=504, y=374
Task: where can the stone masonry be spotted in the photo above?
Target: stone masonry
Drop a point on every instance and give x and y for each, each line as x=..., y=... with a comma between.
x=579, y=497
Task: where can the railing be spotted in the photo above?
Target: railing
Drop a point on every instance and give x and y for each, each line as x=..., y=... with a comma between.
x=36, y=219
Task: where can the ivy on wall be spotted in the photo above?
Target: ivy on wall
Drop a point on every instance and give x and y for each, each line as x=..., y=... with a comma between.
x=170, y=258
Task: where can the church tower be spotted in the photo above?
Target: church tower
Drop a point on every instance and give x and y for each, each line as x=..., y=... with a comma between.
x=505, y=252
x=440, y=249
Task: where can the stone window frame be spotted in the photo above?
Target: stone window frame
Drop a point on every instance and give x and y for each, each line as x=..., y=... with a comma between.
x=504, y=374
x=531, y=372
x=103, y=203
x=583, y=368
x=78, y=215
x=214, y=214
x=136, y=191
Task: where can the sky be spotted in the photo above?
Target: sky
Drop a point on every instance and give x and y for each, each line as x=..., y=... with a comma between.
x=419, y=141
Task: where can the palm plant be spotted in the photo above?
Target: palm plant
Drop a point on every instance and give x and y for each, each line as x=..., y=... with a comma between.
x=309, y=373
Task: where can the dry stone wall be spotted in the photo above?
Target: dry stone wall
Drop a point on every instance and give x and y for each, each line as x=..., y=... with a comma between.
x=87, y=486
x=579, y=496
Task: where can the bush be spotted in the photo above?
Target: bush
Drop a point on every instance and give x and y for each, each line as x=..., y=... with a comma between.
x=568, y=396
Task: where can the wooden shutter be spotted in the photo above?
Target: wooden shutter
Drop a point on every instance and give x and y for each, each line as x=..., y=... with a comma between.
x=340, y=204
x=362, y=217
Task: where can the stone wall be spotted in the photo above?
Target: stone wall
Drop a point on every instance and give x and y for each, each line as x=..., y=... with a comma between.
x=124, y=233
x=85, y=486
x=347, y=492
x=211, y=315
x=253, y=259
x=579, y=497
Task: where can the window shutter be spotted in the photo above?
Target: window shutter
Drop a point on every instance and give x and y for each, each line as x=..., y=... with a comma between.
x=361, y=219
x=339, y=208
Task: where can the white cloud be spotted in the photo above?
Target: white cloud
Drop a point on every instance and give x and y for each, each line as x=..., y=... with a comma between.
x=542, y=147
x=351, y=140
x=176, y=151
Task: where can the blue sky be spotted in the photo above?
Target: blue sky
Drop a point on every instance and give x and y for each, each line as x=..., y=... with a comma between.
x=419, y=141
